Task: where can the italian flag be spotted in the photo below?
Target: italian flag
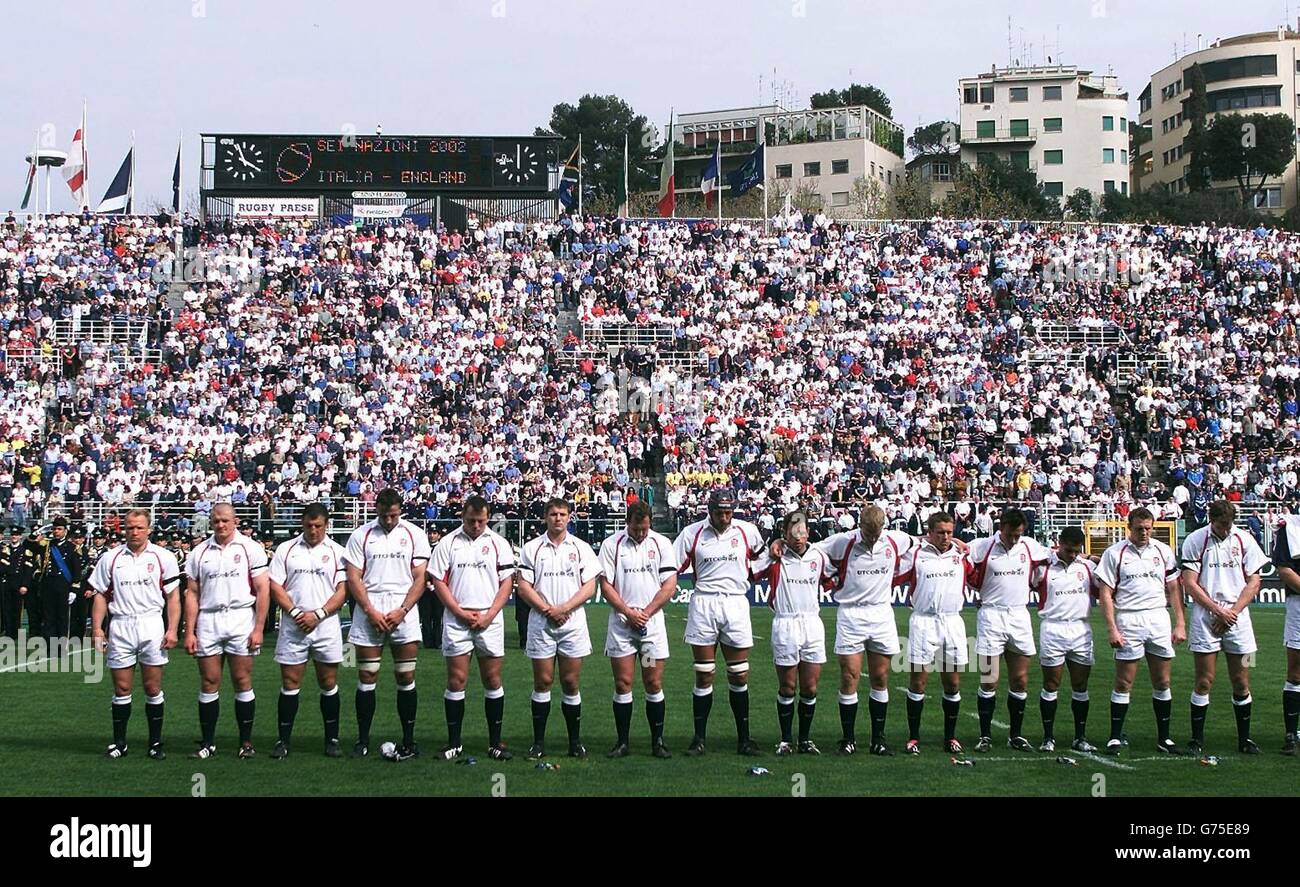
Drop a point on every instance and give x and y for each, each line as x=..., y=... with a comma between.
x=667, y=181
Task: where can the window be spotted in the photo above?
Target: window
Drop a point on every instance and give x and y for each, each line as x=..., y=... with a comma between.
x=1123, y=124
x=1020, y=159
x=985, y=129
x=783, y=171
x=1051, y=124
x=1269, y=198
x=1053, y=158
x=1020, y=128
x=812, y=169
x=970, y=95
x=1053, y=189
x=1108, y=124
x=986, y=93
x=1020, y=93
x=839, y=198
x=1246, y=97
x=942, y=171
x=984, y=158
x=1123, y=188
x=889, y=177
x=1123, y=155
x=1235, y=69
x=839, y=167
x=1051, y=93
x=1107, y=155
x=1109, y=186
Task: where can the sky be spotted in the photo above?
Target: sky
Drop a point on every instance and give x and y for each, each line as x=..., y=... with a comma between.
x=170, y=69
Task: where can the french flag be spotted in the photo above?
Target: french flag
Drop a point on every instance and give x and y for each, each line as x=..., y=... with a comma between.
x=709, y=181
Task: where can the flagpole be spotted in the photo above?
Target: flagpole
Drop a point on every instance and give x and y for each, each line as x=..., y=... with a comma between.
x=672, y=170
x=626, y=208
x=85, y=160
x=580, y=175
x=762, y=166
x=130, y=188
x=718, y=157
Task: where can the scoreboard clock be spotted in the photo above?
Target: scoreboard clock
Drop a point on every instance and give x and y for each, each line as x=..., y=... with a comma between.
x=318, y=163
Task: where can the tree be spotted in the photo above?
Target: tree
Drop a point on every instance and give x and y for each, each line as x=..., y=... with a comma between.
x=1195, y=109
x=997, y=189
x=867, y=199
x=1079, y=205
x=856, y=94
x=940, y=137
x=1248, y=148
x=603, y=120
x=910, y=198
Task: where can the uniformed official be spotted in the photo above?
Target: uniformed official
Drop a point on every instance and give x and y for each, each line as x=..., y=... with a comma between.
x=79, y=612
x=54, y=569
x=11, y=553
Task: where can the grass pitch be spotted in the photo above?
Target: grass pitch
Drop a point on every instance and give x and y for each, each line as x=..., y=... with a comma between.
x=54, y=728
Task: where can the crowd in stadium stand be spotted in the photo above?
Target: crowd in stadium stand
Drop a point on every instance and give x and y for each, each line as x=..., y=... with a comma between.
x=821, y=365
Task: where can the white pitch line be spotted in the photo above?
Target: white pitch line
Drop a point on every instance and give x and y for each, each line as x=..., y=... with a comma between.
x=1105, y=762
x=23, y=665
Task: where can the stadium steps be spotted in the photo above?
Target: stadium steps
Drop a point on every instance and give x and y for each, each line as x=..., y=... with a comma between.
x=566, y=321
x=661, y=520
x=176, y=291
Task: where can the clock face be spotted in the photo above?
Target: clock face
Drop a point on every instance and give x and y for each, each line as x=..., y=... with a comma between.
x=242, y=160
x=519, y=165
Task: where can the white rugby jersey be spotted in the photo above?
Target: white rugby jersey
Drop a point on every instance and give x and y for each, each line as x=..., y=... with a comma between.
x=472, y=568
x=136, y=584
x=866, y=576
x=557, y=572
x=386, y=560
x=309, y=574
x=1138, y=576
x=1064, y=590
x=1002, y=575
x=637, y=572
x=720, y=562
x=937, y=578
x=225, y=572
x=1223, y=565
x=794, y=582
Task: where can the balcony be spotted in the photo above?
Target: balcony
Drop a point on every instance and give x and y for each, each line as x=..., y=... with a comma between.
x=1006, y=135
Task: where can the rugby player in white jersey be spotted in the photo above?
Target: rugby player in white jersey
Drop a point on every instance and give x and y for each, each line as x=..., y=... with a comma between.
x=638, y=577
x=794, y=581
x=473, y=570
x=1137, y=582
x=1066, y=588
x=1221, y=565
x=133, y=583
x=557, y=576
x=718, y=551
x=226, y=600
x=1001, y=568
x=935, y=573
x=309, y=585
x=1286, y=540
x=386, y=560
x=867, y=563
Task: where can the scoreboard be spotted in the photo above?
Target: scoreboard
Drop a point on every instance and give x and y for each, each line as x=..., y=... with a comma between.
x=322, y=163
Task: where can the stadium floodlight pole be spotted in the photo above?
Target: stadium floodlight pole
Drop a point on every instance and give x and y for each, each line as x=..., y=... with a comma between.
x=579, y=175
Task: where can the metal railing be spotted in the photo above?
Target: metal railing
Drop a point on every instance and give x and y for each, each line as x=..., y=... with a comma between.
x=1000, y=134
x=1084, y=336
x=346, y=514
x=621, y=335
x=76, y=331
